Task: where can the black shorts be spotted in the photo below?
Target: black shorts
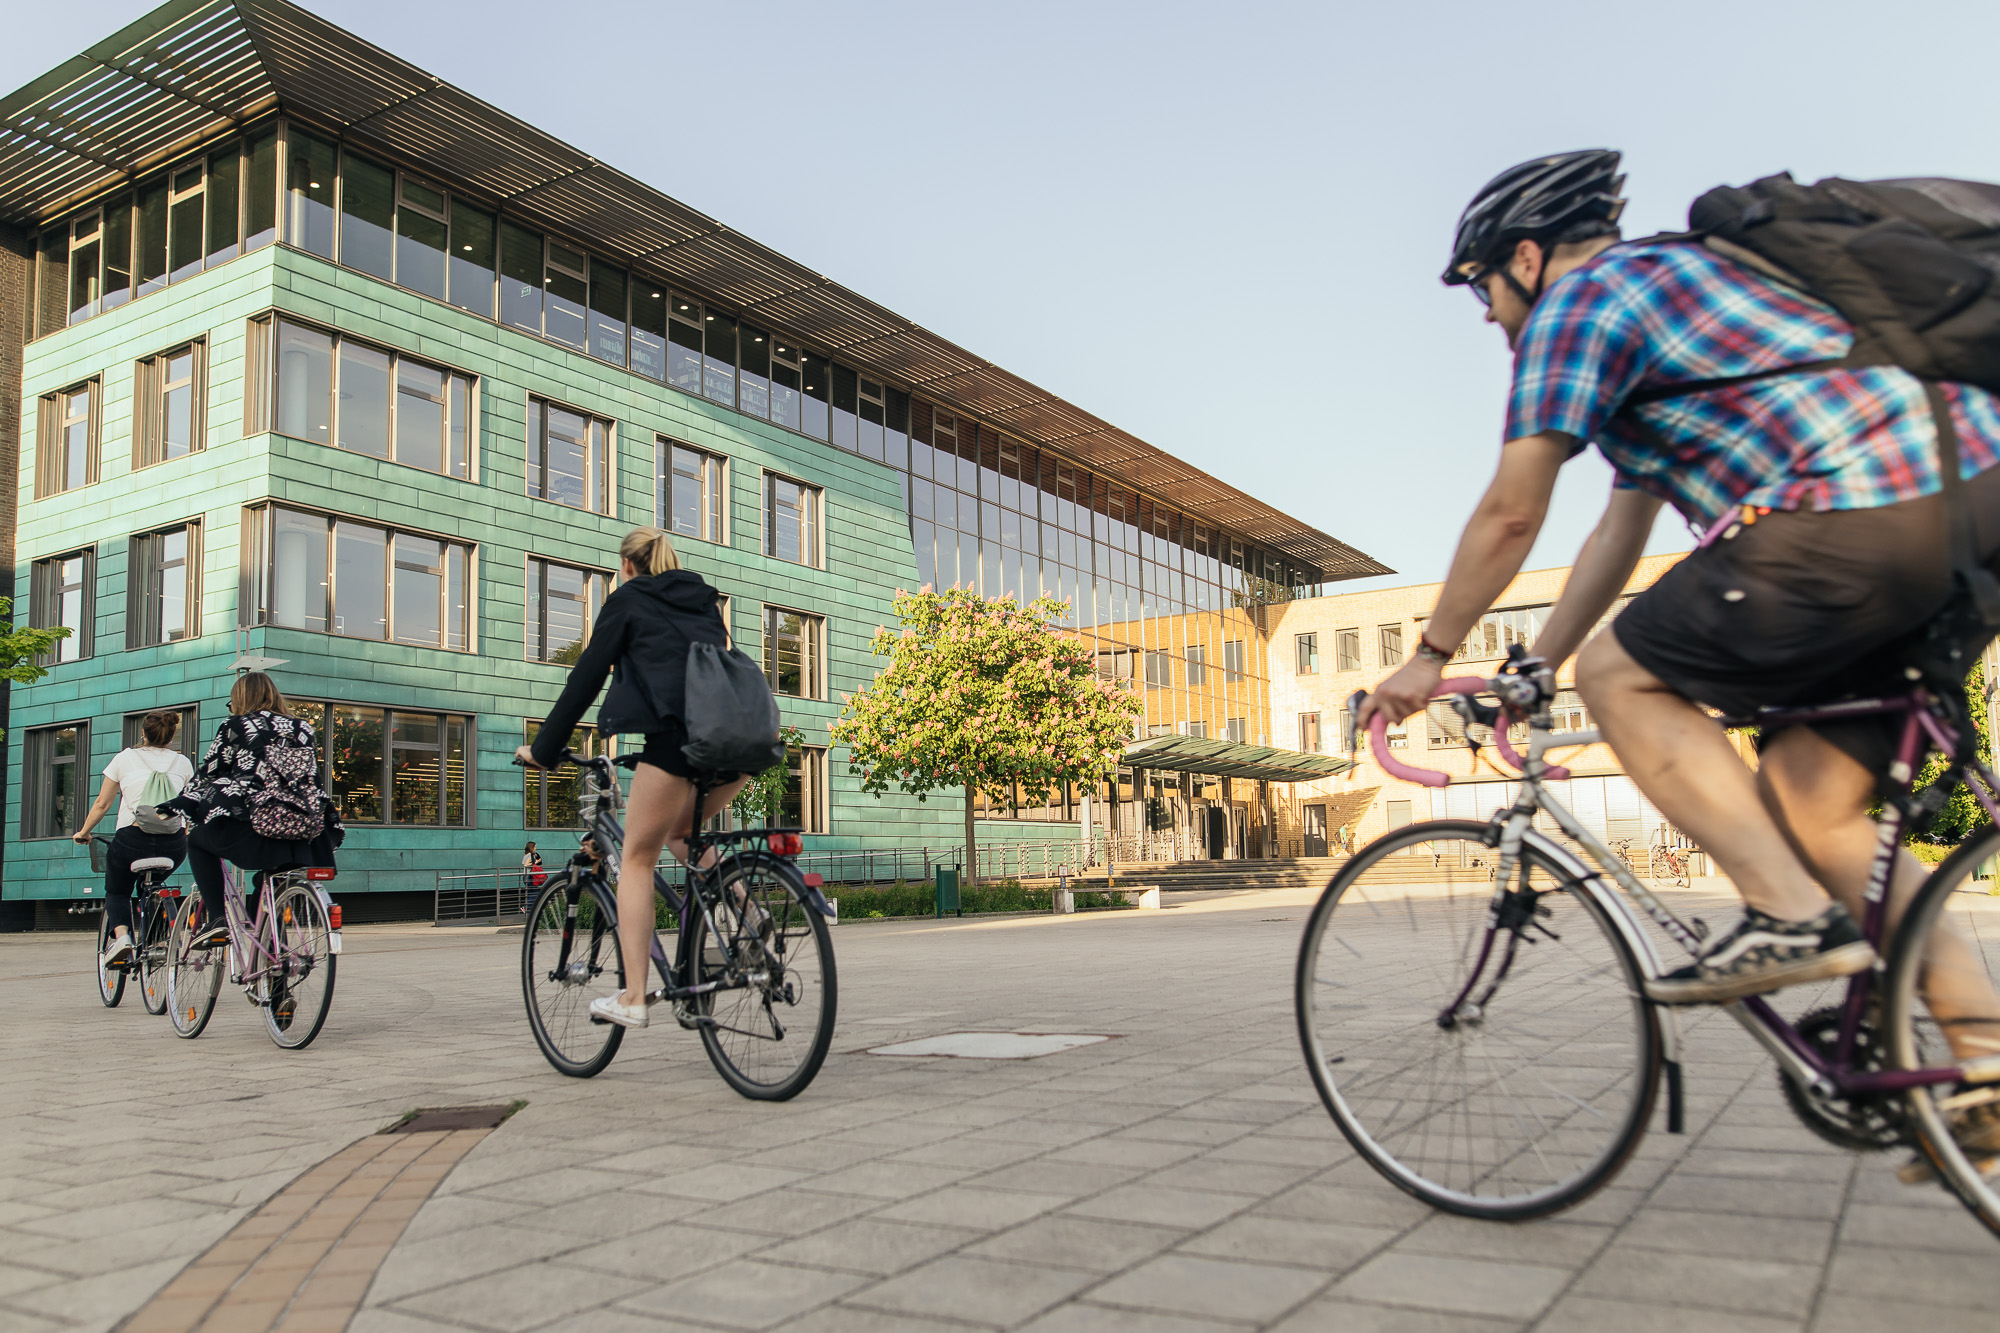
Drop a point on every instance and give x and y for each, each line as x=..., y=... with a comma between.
x=1805, y=607
x=663, y=751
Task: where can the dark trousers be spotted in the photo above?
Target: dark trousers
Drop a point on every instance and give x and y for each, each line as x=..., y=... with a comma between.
x=129, y=845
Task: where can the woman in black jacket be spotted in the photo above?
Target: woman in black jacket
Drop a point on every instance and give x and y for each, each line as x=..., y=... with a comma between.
x=641, y=640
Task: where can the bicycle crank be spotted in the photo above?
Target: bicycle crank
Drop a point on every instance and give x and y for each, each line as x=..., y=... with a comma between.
x=1858, y=1125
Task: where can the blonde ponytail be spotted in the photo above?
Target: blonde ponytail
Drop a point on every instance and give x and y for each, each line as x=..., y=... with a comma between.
x=650, y=550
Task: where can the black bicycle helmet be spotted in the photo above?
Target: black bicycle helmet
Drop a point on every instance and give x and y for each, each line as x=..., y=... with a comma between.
x=1562, y=197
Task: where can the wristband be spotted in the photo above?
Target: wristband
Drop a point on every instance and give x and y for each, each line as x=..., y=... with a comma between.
x=1430, y=652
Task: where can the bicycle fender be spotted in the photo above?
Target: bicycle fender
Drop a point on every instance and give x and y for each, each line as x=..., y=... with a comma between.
x=326, y=905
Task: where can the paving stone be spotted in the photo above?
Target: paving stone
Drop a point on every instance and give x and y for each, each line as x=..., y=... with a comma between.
x=1843, y=1312
x=980, y=1291
x=974, y=1208
x=1335, y=1315
x=1065, y=1241
x=1594, y=1314
x=1735, y=1284
x=1322, y=1246
x=1798, y=1240
x=745, y=1294
x=869, y=1245
x=1917, y=1276
x=1216, y=1288
x=1166, y=1207
x=1458, y=1286
x=1085, y=1317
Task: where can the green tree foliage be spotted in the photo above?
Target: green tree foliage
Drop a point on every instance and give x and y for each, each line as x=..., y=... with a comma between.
x=20, y=647
x=762, y=800
x=1962, y=815
x=983, y=695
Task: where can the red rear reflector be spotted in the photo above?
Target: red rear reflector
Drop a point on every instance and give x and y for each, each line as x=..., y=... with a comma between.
x=786, y=844
x=320, y=872
x=170, y=893
x=815, y=881
x=333, y=916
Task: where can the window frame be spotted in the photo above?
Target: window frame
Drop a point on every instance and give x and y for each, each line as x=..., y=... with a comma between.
x=539, y=780
x=1305, y=650
x=43, y=599
x=535, y=574
x=149, y=403
x=1347, y=649
x=811, y=523
x=815, y=796
x=604, y=471
x=37, y=779
x=714, y=503
x=256, y=576
x=1159, y=668
x=52, y=429
x=812, y=651
x=188, y=742
x=469, y=812
x=1312, y=738
x=145, y=603
x=1389, y=645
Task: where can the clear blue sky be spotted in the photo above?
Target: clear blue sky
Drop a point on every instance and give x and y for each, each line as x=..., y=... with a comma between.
x=1219, y=227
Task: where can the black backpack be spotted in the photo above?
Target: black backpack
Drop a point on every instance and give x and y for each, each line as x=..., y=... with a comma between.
x=732, y=717
x=1914, y=266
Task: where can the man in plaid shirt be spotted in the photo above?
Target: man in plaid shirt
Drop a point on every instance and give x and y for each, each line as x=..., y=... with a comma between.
x=1821, y=493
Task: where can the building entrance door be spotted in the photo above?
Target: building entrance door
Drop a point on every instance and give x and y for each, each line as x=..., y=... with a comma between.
x=1315, y=830
x=1218, y=831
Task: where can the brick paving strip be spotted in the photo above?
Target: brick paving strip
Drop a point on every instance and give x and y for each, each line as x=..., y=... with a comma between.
x=303, y=1261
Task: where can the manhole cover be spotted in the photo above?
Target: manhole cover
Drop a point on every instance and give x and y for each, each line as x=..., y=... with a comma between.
x=437, y=1118
x=991, y=1045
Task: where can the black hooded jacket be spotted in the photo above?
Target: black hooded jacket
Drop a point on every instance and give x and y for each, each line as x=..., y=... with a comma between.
x=641, y=639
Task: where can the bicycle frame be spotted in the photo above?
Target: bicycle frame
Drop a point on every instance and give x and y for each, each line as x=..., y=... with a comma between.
x=254, y=952
x=1922, y=730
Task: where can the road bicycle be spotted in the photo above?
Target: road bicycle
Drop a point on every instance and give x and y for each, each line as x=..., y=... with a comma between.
x=284, y=958
x=153, y=905
x=762, y=999
x=1475, y=1018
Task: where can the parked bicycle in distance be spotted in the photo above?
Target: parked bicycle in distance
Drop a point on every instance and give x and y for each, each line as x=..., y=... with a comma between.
x=763, y=1004
x=284, y=958
x=1482, y=1034
x=153, y=906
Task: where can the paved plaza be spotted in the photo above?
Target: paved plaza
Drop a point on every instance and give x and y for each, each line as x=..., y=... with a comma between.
x=1180, y=1177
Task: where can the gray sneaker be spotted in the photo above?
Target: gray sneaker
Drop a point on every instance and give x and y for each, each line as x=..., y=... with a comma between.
x=1763, y=954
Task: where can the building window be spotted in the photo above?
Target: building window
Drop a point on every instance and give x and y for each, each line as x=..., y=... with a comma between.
x=54, y=769
x=329, y=389
x=554, y=798
x=188, y=740
x=1237, y=729
x=805, y=789
x=691, y=492
x=404, y=587
x=1347, y=650
x=1389, y=638
x=1567, y=712
x=562, y=604
x=1398, y=735
x=1309, y=737
x=791, y=521
x=1197, y=665
x=1198, y=730
x=1159, y=671
x=1497, y=631
x=1306, y=647
x=163, y=582
x=1399, y=814
x=63, y=595
x=168, y=398
x=1343, y=724
x=393, y=766
x=569, y=457
x=794, y=644
x=1234, y=662
x=66, y=445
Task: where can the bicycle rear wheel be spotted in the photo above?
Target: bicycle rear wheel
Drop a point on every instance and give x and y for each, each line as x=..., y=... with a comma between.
x=767, y=1030
x=1525, y=1097
x=152, y=959
x=298, y=991
x=1947, y=952
x=194, y=976
x=110, y=980
x=569, y=957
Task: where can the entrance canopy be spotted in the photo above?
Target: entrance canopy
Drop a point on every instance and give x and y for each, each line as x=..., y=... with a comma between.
x=1230, y=759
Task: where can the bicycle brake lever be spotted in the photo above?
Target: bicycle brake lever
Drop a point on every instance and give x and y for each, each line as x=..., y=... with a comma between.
x=1353, y=736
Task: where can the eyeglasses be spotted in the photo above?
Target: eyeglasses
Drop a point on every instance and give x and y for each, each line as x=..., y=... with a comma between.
x=1476, y=282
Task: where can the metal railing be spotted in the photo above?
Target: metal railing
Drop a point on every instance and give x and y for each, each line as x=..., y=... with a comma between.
x=482, y=897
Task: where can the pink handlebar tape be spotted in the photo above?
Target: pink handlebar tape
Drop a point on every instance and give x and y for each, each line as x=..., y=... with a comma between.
x=1378, y=736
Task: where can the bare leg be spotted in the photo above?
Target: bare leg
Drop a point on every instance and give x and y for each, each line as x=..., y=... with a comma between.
x=1820, y=795
x=658, y=813
x=1681, y=759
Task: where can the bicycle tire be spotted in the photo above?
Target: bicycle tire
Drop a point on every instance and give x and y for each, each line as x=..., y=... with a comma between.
x=558, y=1005
x=741, y=1026
x=194, y=976
x=1914, y=1039
x=1570, y=1015
x=110, y=980
x=305, y=973
x=153, y=957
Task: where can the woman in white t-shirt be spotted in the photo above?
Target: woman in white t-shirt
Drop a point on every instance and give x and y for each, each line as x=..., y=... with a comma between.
x=126, y=778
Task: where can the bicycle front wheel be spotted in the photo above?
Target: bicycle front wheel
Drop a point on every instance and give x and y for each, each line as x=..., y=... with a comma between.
x=1486, y=1047
x=110, y=980
x=152, y=959
x=1941, y=1004
x=194, y=976
x=569, y=957
x=298, y=990
x=768, y=1025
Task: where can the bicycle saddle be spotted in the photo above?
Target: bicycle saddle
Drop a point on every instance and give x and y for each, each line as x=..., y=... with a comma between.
x=146, y=863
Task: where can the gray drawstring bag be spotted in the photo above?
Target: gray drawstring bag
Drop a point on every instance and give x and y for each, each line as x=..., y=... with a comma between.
x=732, y=718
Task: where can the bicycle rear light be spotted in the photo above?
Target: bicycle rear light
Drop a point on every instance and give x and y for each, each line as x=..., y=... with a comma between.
x=320, y=872
x=815, y=880
x=786, y=844
x=170, y=893
x=333, y=917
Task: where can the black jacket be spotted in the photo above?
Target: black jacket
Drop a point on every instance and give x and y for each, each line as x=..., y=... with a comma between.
x=641, y=639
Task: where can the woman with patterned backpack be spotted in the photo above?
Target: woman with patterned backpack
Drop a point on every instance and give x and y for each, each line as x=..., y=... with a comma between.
x=256, y=800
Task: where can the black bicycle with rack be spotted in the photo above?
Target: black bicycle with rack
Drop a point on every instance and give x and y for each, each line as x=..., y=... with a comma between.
x=762, y=1000
x=154, y=903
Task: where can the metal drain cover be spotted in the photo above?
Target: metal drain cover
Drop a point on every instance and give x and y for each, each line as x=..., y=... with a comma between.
x=431, y=1120
x=992, y=1045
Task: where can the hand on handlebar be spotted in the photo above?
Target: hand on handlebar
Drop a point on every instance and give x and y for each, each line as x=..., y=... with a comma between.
x=1404, y=693
x=525, y=757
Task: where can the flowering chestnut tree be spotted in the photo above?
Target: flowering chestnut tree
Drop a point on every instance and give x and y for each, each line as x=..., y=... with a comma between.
x=983, y=695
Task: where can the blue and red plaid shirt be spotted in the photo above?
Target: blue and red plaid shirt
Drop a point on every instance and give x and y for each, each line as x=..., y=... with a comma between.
x=1648, y=314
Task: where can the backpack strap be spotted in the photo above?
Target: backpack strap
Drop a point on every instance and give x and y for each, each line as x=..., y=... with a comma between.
x=1975, y=583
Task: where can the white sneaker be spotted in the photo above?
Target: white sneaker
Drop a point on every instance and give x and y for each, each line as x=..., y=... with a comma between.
x=118, y=951
x=607, y=1009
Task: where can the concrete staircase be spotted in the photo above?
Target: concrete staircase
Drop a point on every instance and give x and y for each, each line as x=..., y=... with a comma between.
x=1306, y=872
